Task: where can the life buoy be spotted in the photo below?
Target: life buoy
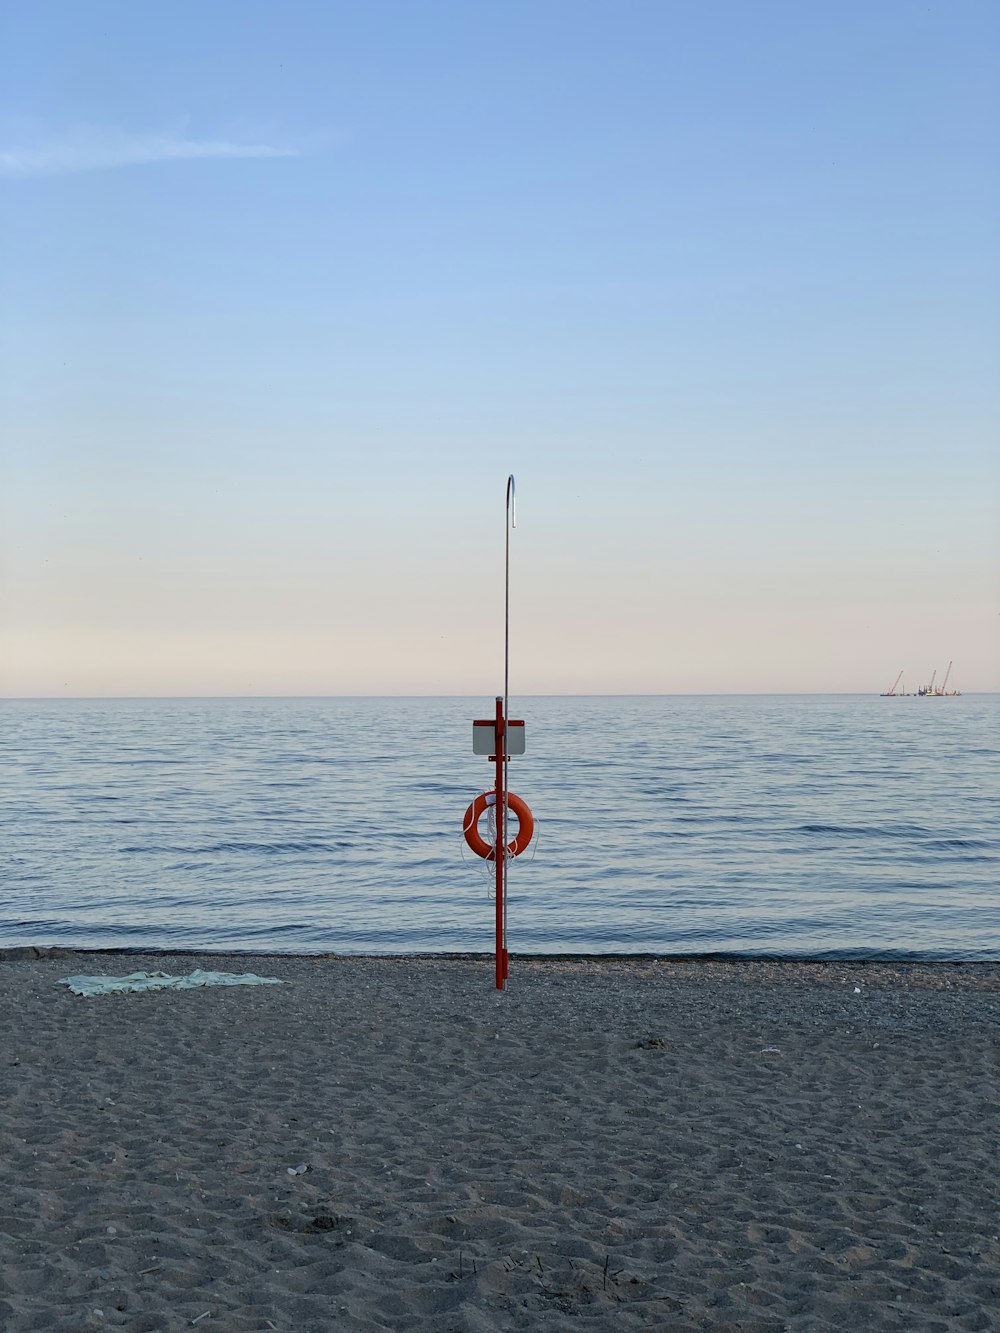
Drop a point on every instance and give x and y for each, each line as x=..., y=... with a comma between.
x=470, y=825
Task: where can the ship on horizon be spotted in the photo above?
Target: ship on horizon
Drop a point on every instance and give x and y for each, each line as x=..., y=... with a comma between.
x=923, y=691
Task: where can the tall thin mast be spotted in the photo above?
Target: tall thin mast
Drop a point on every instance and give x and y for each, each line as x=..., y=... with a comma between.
x=509, y=522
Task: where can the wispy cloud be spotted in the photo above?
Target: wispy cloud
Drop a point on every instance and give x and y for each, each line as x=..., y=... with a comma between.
x=93, y=149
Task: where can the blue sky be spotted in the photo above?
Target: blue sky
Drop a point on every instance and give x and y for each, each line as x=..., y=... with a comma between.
x=286, y=291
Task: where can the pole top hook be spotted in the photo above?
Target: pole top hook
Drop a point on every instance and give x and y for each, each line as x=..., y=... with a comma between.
x=511, y=501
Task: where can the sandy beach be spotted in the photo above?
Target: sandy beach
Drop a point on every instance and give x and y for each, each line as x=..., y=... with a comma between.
x=391, y=1144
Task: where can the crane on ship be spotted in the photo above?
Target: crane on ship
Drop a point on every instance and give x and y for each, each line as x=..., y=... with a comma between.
x=890, y=693
x=944, y=683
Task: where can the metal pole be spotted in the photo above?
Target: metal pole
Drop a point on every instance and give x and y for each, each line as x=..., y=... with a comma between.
x=510, y=522
x=499, y=851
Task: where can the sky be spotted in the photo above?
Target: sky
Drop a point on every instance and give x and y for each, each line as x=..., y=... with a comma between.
x=287, y=290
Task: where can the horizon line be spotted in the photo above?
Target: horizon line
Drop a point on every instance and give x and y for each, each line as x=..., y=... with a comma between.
x=530, y=694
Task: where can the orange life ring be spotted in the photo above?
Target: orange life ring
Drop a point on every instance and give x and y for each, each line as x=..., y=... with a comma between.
x=517, y=844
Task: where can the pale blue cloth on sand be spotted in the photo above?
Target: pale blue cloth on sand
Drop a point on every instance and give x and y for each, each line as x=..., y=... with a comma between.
x=143, y=981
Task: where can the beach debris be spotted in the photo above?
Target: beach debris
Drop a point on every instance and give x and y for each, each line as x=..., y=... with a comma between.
x=137, y=982
x=198, y=1318
x=651, y=1044
x=857, y=990
x=771, y=1050
x=299, y=1170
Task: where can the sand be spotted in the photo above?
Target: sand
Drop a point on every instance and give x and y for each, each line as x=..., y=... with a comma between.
x=641, y=1144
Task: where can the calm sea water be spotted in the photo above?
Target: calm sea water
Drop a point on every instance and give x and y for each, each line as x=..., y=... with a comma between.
x=818, y=826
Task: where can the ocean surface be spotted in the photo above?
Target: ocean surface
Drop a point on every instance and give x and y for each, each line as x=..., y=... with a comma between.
x=834, y=826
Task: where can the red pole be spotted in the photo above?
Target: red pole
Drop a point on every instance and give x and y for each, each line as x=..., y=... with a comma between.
x=500, y=741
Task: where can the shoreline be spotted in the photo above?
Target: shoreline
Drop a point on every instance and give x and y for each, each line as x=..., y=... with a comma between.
x=738, y=1146
x=978, y=973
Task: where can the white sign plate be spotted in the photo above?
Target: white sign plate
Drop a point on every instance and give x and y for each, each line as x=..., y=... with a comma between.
x=484, y=733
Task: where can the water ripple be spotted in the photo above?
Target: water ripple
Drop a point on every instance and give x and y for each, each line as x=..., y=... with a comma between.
x=804, y=826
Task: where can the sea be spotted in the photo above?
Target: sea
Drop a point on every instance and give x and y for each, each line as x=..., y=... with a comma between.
x=805, y=826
